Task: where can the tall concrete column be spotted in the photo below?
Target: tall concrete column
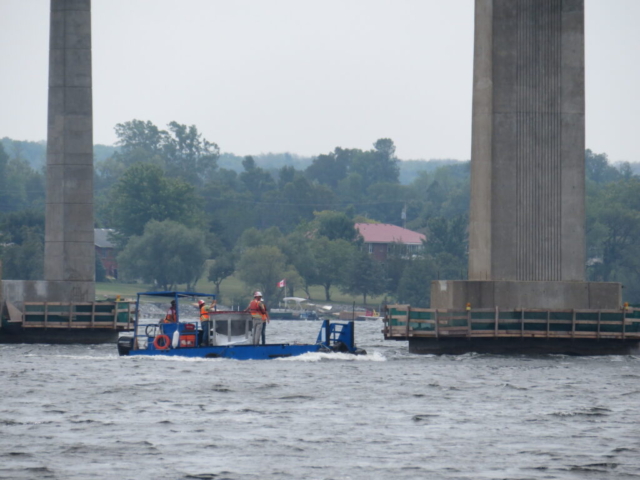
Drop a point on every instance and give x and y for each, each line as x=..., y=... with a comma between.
x=69, y=239
x=527, y=216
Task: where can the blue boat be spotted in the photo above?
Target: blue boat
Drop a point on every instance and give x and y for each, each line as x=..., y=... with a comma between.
x=227, y=334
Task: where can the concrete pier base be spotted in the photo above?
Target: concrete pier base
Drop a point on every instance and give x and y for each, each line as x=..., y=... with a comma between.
x=455, y=294
x=17, y=292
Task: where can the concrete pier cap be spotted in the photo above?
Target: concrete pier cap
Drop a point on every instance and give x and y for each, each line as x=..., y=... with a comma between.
x=515, y=295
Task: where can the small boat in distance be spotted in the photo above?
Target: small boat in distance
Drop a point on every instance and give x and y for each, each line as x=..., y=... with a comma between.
x=227, y=334
x=294, y=308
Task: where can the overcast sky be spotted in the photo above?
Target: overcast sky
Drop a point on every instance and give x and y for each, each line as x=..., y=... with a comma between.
x=303, y=76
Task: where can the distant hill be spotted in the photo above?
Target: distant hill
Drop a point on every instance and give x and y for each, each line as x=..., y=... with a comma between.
x=409, y=169
x=268, y=161
x=635, y=167
x=33, y=152
x=36, y=152
x=102, y=152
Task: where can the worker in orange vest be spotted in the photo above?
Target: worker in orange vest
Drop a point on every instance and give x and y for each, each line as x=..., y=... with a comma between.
x=204, y=310
x=260, y=316
x=204, y=320
x=171, y=316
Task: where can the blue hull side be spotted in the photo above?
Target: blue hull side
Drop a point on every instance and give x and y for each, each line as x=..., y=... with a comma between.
x=237, y=352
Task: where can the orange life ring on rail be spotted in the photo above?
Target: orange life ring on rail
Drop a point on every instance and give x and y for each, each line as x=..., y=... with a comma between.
x=166, y=342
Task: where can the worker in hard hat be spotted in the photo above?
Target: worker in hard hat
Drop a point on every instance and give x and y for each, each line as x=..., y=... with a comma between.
x=260, y=316
x=204, y=319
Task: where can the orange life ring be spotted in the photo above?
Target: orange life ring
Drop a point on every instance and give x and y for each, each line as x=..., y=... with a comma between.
x=166, y=342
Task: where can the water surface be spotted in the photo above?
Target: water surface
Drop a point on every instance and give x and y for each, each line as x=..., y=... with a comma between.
x=82, y=412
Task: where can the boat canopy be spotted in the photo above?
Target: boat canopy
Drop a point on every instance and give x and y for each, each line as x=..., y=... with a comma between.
x=176, y=294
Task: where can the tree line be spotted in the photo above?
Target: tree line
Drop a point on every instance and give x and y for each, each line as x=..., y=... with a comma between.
x=179, y=216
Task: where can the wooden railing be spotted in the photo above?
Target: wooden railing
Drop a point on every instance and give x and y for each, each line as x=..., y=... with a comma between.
x=102, y=315
x=402, y=322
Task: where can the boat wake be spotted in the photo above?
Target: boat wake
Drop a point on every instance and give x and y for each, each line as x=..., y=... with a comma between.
x=333, y=356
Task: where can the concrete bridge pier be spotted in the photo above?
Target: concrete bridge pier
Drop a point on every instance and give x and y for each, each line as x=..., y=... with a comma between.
x=69, y=268
x=527, y=244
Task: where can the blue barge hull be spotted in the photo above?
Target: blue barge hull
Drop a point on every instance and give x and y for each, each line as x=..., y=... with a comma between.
x=237, y=352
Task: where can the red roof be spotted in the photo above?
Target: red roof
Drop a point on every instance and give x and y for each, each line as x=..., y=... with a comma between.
x=385, y=233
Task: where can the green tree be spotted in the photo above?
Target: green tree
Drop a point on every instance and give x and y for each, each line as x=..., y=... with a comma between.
x=229, y=207
x=256, y=180
x=180, y=151
x=378, y=165
x=364, y=276
x=143, y=194
x=598, y=169
x=188, y=155
x=330, y=169
x=297, y=247
x=293, y=280
x=263, y=267
x=336, y=225
x=253, y=237
x=294, y=203
x=5, y=197
x=390, y=199
x=101, y=273
x=352, y=190
x=12, y=225
x=331, y=257
x=443, y=193
x=139, y=141
x=222, y=267
x=286, y=175
x=613, y=227
x=395, y=265
x=25, y=261
x=414, y=287
x=448, y=236
x=166, y=254
x=22, y=187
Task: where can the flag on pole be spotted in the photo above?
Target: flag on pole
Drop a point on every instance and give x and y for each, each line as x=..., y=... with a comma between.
x=282, y=283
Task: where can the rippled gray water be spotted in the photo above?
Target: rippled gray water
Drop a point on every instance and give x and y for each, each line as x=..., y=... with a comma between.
x=80, y=412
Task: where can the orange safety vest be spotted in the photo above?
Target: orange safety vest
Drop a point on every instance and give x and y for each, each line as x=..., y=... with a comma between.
x=204, y=313
x=171, y=316
x=257, y=308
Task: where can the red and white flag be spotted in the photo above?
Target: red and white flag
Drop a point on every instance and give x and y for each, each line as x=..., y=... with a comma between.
x=282, y=283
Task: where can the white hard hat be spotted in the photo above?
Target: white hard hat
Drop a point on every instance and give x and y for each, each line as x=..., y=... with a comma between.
x=200, y=302
x=257, y=294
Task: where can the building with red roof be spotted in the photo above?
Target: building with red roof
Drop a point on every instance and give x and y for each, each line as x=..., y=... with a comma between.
x=380, y=238
x=106, y=251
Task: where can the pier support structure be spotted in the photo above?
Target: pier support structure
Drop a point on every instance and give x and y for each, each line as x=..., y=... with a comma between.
x=69, y=239
x=527, y=217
